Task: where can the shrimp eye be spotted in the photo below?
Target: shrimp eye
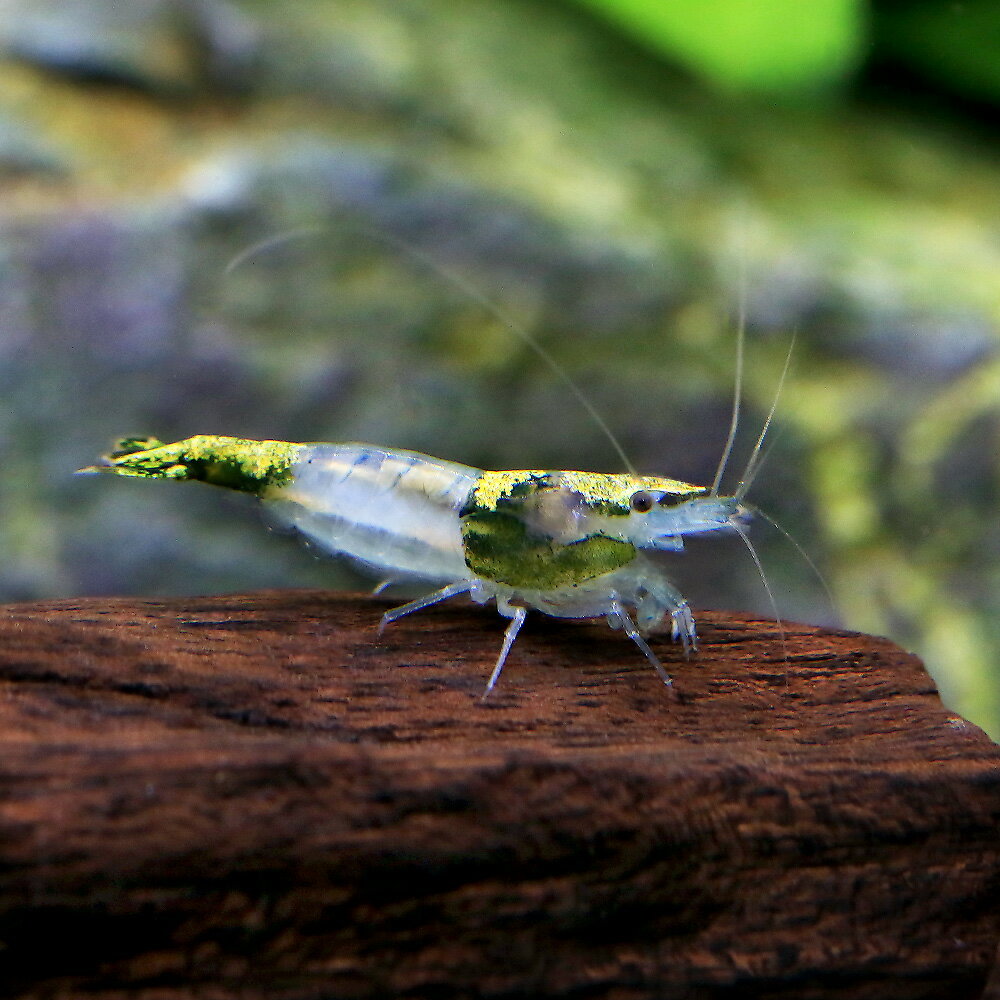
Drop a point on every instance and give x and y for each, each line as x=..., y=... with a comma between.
x=641, y=502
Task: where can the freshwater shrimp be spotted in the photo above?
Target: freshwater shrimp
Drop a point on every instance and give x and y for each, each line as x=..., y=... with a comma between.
x=568, y=544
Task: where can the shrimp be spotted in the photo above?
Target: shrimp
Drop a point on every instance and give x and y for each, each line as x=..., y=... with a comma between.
x=568, y=544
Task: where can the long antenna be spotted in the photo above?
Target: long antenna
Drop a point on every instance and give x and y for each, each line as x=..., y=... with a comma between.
x=269, y=244
x=505, y=318
x=802, y=552
x=763, y=579
x=460, y=282
x=734, y=422
x=752, y=465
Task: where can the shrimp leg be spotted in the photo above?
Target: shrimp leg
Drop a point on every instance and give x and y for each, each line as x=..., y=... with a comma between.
x=517, y=615
x=452, y=590
x=618, y=617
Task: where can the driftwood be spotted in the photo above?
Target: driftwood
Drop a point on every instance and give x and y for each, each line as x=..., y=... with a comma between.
x=257, y=796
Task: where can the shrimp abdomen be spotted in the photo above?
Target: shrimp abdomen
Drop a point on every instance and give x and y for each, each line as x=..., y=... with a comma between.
x=394, y=512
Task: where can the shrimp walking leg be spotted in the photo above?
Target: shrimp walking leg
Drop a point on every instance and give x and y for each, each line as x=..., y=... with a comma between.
x=682, y=628
x=658, y=597
x=517, y=616
x=618, y=617
x=452, y=590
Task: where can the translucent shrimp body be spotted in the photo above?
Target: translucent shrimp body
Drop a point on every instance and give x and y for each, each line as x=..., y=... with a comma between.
x=568, y=544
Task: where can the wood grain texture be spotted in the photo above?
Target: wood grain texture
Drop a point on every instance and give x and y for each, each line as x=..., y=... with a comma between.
x=257, y=796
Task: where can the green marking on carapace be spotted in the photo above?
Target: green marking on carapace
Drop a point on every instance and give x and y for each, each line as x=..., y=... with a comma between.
x=235, y=463
x=499, y=547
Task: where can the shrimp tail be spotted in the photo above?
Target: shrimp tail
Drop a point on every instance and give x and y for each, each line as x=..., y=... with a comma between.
x=235, y=463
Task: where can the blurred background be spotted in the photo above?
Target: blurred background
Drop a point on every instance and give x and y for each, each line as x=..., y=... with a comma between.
x=205, y=205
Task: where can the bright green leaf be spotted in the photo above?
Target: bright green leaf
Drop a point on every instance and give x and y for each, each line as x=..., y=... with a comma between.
x=750, y=45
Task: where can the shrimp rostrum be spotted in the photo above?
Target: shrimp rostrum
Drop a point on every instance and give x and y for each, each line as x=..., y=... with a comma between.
x=568, y=544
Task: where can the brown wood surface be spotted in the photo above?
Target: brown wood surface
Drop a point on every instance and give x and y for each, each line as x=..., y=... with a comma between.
x=257, y=796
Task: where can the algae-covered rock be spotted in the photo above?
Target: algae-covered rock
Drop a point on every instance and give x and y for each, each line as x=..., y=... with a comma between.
x=165, y=46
